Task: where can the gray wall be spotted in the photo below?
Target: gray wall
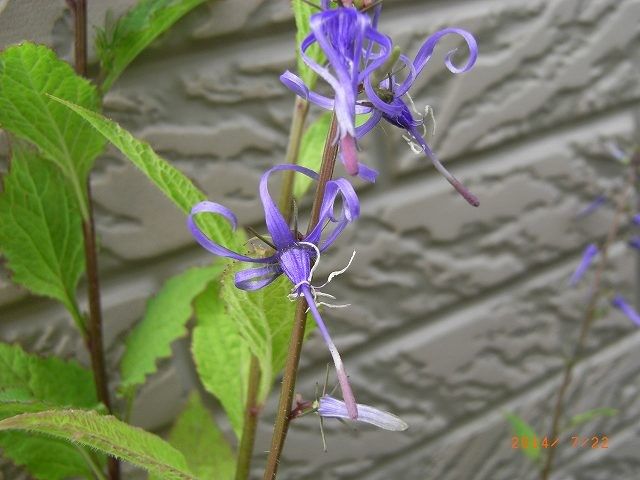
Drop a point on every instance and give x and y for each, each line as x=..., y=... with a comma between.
x=458, y=314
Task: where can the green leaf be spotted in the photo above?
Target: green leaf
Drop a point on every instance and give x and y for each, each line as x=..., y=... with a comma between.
x=164, y=321
x=28, y=74
x=221, y=356
x=264, y=319
x=29, y=383
x=171, y=181
x=522, y=429
x=41, y=228
x=311, y=149
x=30, y=377
x=108, y=435
x=302, y=12
x=197, y=436
x=119, y=44
x=589, y=415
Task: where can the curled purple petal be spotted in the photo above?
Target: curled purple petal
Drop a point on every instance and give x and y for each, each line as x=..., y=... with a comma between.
x=297, y=86
x=367, y=126
x=343, y=379
x=425, y=52
x=256, y=278
x=278, y=228
x=620, y=303
x=366, y=173
x=207, y=243
x=349, y=212
x=330, y=407
x=585, y=262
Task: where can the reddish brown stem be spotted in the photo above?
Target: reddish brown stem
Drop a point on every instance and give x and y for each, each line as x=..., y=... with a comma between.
x=297, y=335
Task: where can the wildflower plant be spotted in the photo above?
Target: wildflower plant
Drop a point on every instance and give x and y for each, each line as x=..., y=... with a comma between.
x=250, y=320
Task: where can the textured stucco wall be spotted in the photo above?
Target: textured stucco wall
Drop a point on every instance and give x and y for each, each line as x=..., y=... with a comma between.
x=458, y=314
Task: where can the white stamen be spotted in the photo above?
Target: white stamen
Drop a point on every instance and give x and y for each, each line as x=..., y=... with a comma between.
x=317, y=262
x=338, y=272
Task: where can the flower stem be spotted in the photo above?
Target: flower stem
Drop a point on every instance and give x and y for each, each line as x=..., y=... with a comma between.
x=297, y=335
x=300, y=110
x=252, y=411
x=94, y=329
x=589, y=316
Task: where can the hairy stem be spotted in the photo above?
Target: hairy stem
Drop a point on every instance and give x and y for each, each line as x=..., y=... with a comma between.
x=297, y=335
x=589, y=316
x=300, y=110
x=251, y=413
x=94, y=328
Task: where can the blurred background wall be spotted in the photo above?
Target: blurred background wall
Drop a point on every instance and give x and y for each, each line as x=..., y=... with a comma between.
x=458, y=314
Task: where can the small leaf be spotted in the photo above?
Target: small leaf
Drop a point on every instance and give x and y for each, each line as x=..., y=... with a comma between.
x=589, y=415
x=221, y=356
x=41, y=228
x=264, y=319
x=164, y=321
x=108, y=435
x=171, y=181
x=197, y=436
x=119, y=44
x=522, y=429
x=311, y=149
x=28, y=74
x=302, y=12
x=29, y=383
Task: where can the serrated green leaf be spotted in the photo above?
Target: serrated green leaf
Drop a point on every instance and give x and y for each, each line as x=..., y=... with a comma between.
x=29, y=383
x=197, y=436
x=302, y=12
x=28, y=73
x=41, y=228
x=522, y=429
x=311, y=149
x=589, y=415
x=118, y=45
x=264, y=319
x=108, y=435
x=221, y=356
x=171, y=181
x=164, y=321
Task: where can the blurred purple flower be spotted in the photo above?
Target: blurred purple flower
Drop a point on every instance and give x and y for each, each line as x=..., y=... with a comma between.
x=354, y=49
x=634, y=242
x=295, y=255
x=620, y=303
x=599, y=201
x=636, y=219
x=585, y=262
x=329, y=407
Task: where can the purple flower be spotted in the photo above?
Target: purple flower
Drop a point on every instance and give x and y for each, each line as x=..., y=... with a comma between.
x=636, y=219
x=599, y=201
x=329, y=407
x=620, y=303
x=634, y=242
x=296, y=255
x=587, y=257
x=386, y=100
x=354, y=49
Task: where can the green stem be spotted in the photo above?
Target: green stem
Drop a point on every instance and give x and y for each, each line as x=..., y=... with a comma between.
x=588, y=319
x=252, y=411
x=300, y=110
x=287, y=390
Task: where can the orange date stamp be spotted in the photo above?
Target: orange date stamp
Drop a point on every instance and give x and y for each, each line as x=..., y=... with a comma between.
x=574, y=441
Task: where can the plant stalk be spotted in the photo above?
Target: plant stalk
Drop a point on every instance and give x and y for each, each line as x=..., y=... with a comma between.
x=94, y=327
x=589, y=316
x=251, y=413
x=287, y=390
x=300, y=110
